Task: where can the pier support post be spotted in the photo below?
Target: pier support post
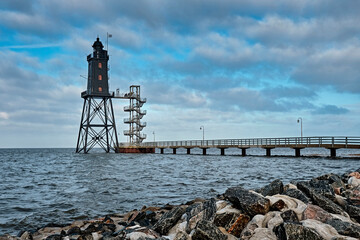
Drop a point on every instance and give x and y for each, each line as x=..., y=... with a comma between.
x=161, y=150
x=188, y=150
x=243, y=152
x=222, y=151
x=204, y=151
x=297, y=152
x=332, y=152
x=268, y=152
x=174, y=150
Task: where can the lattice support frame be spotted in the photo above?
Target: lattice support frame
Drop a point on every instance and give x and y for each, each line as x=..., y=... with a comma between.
x=97, y=126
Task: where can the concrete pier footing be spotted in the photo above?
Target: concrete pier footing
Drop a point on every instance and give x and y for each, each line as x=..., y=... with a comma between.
x=332, y=152
x=297, y=152
x=268, y=152
x=243, y=152
x=204, y=151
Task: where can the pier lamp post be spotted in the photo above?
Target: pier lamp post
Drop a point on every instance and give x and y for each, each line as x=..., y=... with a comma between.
x=154, y=135
x=300, y=121
x=203, y=129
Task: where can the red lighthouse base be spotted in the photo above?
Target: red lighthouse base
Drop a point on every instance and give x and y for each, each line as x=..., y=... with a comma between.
x=134, y=150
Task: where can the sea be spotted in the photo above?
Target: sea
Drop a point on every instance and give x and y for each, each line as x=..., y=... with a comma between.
x=42, y=186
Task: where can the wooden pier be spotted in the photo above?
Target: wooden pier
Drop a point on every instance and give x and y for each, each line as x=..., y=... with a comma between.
x=296, y=143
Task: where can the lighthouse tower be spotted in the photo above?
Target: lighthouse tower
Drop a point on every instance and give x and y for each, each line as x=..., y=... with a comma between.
x=97, y=126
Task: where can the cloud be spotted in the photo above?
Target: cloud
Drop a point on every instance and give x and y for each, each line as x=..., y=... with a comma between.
x=198, y=62
x=337, y=68
x=167, y=94
x=4, y=115
x=16, y=5
x=331, y=109
x=275, y=30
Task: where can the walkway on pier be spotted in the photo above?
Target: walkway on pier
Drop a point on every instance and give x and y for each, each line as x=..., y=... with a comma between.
x=296, y=143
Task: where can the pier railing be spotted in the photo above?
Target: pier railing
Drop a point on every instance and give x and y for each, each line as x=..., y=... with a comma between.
x=291, y=142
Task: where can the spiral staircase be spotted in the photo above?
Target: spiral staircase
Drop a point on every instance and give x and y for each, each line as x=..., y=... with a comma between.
x=135, y=116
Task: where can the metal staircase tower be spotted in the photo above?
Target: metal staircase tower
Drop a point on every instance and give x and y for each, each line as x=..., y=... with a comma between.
x=135, y=116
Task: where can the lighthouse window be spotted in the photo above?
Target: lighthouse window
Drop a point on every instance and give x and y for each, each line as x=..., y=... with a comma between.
x=100, y=89
x=100, y=65
x=100, y=77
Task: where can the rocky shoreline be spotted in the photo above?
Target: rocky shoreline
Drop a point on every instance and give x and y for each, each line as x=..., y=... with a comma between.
x=325, y=207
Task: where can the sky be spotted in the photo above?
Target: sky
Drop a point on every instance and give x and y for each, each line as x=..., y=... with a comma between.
x=240, y=68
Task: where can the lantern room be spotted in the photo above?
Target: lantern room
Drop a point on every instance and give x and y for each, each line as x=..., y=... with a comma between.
x=98, y=71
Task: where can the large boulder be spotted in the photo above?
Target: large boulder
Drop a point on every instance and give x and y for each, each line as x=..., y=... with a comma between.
x=354, y=211
x=226, y=220
x=200, y=211
x=324, y=230
x=275, y=187
x=226, y=215
x=289, y=204
x=321, y=200
x=354, y=182
x=295, y=231
x=345, y=228
x=316, y=213
x=168, y=220
x=247, y=201
x=333, y=179
x=296, y=193
x=206, y=230
x=322, y=187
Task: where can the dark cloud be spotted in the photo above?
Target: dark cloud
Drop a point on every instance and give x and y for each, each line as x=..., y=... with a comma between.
x=243, y=99
x=331, y=109
x=17, y=5
x=289, y=92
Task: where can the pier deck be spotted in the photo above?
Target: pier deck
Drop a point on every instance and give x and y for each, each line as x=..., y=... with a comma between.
x=296, y=143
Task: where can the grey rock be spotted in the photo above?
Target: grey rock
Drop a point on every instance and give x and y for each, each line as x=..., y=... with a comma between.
x=275, y=187
x=193, y=210
x=289, y=216
x=333, y=179
x=209, y=208
x=168, y=220
x=295, y=231
x=345, y=228
x=206, y=230
x=296, y=193
x=323, y=187
x=354, y=211
x=321, y=200
x=200, y=211
x=249, y=202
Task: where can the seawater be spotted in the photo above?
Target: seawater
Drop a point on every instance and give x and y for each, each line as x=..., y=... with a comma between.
x=41, y=186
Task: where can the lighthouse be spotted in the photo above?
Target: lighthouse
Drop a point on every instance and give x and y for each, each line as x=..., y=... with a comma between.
x=97, y=125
